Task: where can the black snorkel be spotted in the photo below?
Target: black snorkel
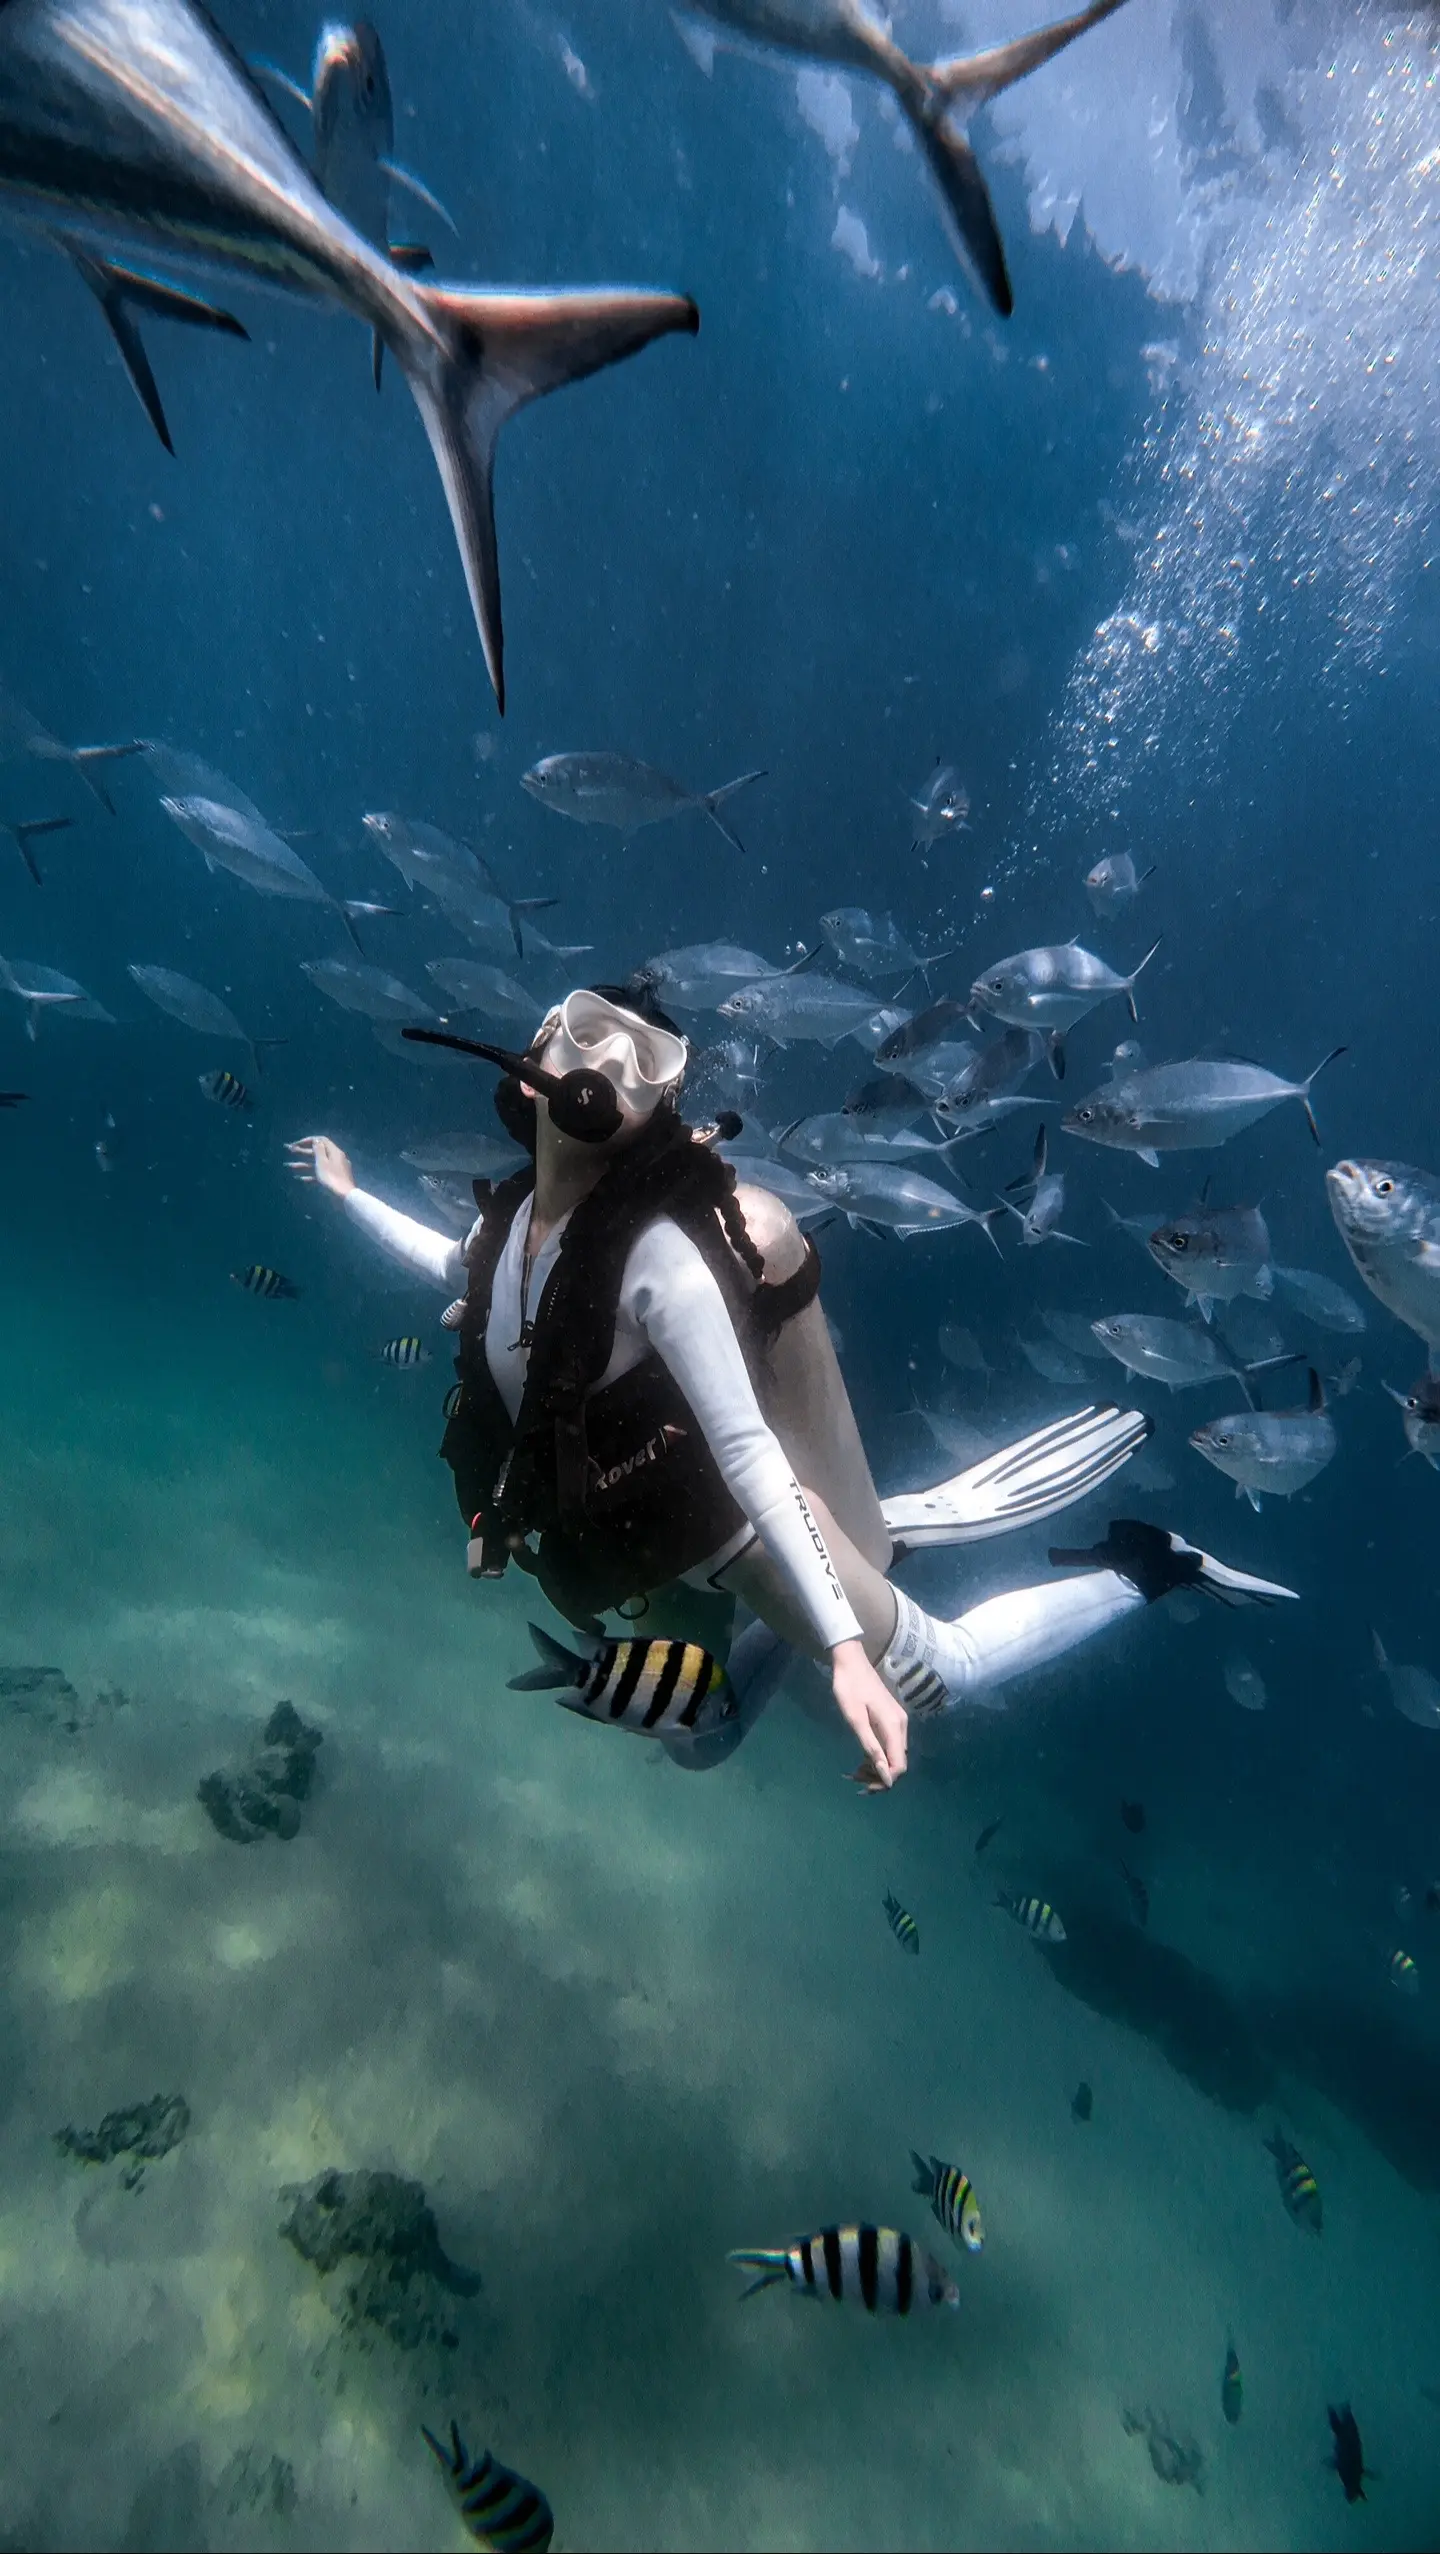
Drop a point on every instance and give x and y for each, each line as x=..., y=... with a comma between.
x=582, y=1104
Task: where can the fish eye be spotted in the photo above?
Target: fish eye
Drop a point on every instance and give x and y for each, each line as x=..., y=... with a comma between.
x=1383, y=1187
x=997, y=984
x=1084, y=1116
x=1177, y=1241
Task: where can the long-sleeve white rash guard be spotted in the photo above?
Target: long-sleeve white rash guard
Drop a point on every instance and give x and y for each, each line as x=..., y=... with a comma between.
x=669, y=1302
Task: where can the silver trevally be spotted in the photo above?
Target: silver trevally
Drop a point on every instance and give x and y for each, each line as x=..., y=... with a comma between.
x=22, y=733
x=1052, y=988
x=938, y=1069
x=180, y=774
x=356, y=987
x=1320, y=1300
x=928, y=1029
x=1271, y=1453
x=456, y=879
x=872, y=943
x=799, y=1006
x=959, y=1438
x=474, y=987
x=1181, y=1108
x=1115, y=880
x=699, y=978
x=43, y=989
x=614, y=789
x=469, y=1156
x=782, y=1179
x=1074, y=1332
x=897, y=1199
x=1215, y=1253
x=996, y=1072
x=196, y=1008
x=1244, y=1683
x=1389, y=1220
x=139, y=121
x=1171, y=1352
x=941, y=808
x=227, y=838
x=1420, y=1411
x=934, y=97
x=1414, y=1692
x=1040, y=1219
x=840, y=1137
x=1049, y=1361
x=885, y=1103
x=960, y=1347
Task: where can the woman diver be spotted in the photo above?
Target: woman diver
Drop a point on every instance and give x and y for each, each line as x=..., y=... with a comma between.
x=648, y=1392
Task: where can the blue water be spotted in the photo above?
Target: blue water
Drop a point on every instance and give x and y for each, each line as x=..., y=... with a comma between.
x=618, y=2022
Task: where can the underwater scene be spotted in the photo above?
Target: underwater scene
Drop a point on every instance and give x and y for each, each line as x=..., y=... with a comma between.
x=818, y=952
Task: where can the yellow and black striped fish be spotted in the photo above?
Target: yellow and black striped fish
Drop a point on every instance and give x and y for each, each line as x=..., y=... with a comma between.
x=902, y=1924
x=666, y=1689
x=1298, y=2186
x=259, y=1280
x=408, y=1351
x=1036, y=1914
x=952, y=2200
x=500, y=2509
x=876, y=2266
x=226, y=1088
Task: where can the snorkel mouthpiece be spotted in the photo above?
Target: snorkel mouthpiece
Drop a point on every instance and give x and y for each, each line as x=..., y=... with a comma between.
x=582, y=1104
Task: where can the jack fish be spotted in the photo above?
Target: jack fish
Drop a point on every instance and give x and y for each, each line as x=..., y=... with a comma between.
x=1179, y=1108
x=1276, y=1452
x=140, y=122
x=1389, y=1221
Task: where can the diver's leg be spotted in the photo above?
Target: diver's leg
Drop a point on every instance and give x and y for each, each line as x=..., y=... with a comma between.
x=803, y=1395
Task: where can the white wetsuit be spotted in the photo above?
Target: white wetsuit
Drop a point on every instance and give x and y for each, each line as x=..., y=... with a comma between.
x=669, y=1303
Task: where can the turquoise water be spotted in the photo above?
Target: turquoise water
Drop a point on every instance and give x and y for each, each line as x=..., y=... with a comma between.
x=1151, y=566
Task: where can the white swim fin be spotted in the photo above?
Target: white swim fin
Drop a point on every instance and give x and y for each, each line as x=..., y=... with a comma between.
x=1021, y=1483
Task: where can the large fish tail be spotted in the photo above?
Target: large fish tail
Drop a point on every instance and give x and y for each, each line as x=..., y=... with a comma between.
x=963, y=83
x=1130, y=987
x=714, y=799
x=772, y=2267
x=1334, y=1054
x=484, y=355
x=924, y=2180
x=559, y=1666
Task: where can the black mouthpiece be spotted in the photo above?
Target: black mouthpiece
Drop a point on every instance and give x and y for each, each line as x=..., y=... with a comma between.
x=581, y=1104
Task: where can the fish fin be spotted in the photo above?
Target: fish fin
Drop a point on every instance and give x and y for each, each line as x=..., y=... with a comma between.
x=1262, y=1284
x=1205, y=1306
x=413, y=185
x=483, y=356
x=121, y=291
x=924, y=2177
x=1042, y=1140
x=520, y=906
x=377, y=358
x=1055, y=1049
x=1335, y=1053
x=881, y=1232
x=971, y=221
x=257, y=1044
x=1252, y=1495
x=713, y=800
x=538, y=1680
x=271, y=71
x=804, y=960
x=1316, y=1397
x=1147, y=873
x=1145, y=1153
x=410, y=255
x=83, y=756
x=1130, y=987
x=1077, y=1238
x=20, y=835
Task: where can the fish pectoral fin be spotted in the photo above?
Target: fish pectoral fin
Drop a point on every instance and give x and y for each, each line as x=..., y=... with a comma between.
x=497, y=351
x=972, y=79
x=121, y=291
x=410, y=255
x=400, y=176
x=1147, y=1153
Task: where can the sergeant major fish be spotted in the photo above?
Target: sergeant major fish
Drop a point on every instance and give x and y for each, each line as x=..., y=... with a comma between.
x=952, y=2200
x=1389, y=1220
x=143, y=122
x=1298, y=2186
x=1036, y=1915
x=665, y=1689
x=501, y=2510
x=614, y=789
x=257, y=1279
x=873, y=2266
x=933, y=97
x=406, y=1351
x=225, y=1088
x=1176, y=1108
x=902, y=1924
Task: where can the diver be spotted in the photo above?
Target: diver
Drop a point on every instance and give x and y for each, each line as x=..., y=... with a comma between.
x=648, y=1393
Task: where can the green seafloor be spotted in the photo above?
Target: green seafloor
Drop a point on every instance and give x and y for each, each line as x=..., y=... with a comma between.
x=617, y=2020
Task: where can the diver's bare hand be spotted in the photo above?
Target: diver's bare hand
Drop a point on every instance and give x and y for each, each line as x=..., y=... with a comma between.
x=316, y=1158
x=867, y=1706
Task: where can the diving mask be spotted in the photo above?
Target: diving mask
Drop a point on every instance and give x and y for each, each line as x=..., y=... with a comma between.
x=589, y=1033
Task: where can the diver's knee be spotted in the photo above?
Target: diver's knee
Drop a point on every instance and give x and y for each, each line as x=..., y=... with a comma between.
x=773, y=1230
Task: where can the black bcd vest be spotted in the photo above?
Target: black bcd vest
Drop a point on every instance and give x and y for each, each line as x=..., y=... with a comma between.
x=618, y=1484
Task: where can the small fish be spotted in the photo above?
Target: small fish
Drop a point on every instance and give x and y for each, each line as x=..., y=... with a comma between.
x=1176, y=1108
x=1082, y=2103
x=996, y=1073
x=897, y=1199
x=1389, y=1220
x=1244, y=1684
x=473, y=986
x=357, y=987
x=405, y=1351
x=1040, y=1220
x=1132, y=1816
x=1298, y=2186
x=1414, y=1691
x=1215, y=1253
x=196, y=1008
x=872, y=943
x=228, y=837
x=13, y=1099
x=1320, y=1300
x=876, y=2265
x=960, y=1347
x=1420, y=1410
x=665, y=1689
x=501, y=2510
x=1274, y=1452
x=1115, y=880
x=1232, y=2390
x=952, y=2200
x=614, y=789
x=1052, y=988
x=1404, y=1976
x=988, y=1834
x=1139, y=1894
x=1035, y=1914
x=1348, y=2456
x=926, y=1029
x=941, y=808
x=257, y=1279
x=698, y=978
x=225, y=1088
x=902, y=1924
x=1177, y=1353
x=800, y=1006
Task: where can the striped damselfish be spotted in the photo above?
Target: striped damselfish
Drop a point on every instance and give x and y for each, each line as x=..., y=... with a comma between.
x=1036, y=1915
x=1298, y=2186
x=257, y=1279
x=500, y=2509
x=874, y=2265
x=902, y=1924
x=952, y=2199
x=406, y=1351
x=666, y=1689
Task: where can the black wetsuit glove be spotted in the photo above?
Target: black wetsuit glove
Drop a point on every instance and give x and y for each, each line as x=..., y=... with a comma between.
x=1154, y=1561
